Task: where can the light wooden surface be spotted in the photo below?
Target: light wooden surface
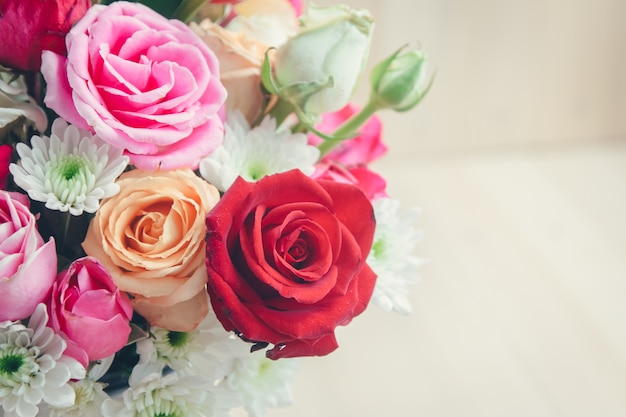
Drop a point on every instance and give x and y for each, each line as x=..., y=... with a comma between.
x=520, y=311
x=518, y=160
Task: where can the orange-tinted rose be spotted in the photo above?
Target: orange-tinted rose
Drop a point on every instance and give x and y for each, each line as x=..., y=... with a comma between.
x=240, y=66
x=150, y=237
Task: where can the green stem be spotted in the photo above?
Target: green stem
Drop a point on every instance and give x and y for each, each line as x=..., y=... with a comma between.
x=66, y=217
x=281, y=110
x=349, y=127
x=187, y=9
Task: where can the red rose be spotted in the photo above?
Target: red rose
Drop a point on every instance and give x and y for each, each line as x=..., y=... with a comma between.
x=5, y=161
x=286, y=261
x=28, y=27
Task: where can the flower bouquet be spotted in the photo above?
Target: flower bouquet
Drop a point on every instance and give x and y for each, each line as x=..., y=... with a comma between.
x=185, y=201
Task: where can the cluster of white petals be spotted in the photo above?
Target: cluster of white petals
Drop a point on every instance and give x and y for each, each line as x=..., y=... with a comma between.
x=170, y=395
x=393, y=257
x=208, y=351
x=33, y=368
x=255, y=153
x=262, y=383
x=89, y=398
x=72, y=170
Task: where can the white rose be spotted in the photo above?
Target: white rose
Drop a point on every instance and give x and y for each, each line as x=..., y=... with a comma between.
x=325, y=59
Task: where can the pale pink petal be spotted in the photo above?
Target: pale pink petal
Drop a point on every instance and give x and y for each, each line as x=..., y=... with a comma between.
x=21, y=293
x=58, y=91
x=188, y=152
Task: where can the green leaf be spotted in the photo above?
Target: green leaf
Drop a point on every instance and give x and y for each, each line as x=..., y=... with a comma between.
x=187, y=10
x=165, y=8
x=267, y=78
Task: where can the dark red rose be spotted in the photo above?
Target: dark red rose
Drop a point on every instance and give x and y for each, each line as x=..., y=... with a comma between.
x=286, y=261
x=5, y=161
x=28, y=27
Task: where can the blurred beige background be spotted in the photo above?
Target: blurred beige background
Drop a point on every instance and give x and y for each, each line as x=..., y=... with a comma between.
x=517, y=158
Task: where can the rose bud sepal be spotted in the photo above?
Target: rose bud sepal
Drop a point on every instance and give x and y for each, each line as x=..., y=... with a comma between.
x=398, y=81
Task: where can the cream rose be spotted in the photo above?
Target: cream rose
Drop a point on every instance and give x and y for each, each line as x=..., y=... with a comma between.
x=150, y=237
x=240, y=59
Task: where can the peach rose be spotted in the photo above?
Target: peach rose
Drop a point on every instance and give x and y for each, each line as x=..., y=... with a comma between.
x=240, y=60
x=150, y=237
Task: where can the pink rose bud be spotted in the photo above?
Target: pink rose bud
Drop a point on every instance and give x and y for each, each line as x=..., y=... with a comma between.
x=28, y=27
x=27, y=264
x=90, y=311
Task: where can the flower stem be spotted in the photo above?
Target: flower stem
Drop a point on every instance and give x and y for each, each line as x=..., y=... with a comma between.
x=349, y=127
x=65, y=227
x=187, y=9
x=281, y=110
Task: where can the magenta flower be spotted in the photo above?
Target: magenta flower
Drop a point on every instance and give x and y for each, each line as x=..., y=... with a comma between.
x=372, y=184
x=5, y=160
x=28, y=27
x=364, y=148
x=90, y=311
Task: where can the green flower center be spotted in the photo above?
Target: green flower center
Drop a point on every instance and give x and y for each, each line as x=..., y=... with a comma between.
x=70, y=167
x=166, y=415
x=9, y=364
x=257, y=170
x=378, y=248
x=177, y=339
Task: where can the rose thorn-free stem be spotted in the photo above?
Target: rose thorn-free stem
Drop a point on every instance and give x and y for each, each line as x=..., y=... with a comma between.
x=350, y=126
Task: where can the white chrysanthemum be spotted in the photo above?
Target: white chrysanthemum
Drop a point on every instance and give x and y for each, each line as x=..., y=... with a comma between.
x=255, y=153
x=71, y=170
x=262, y=383
x=33, y=368
x=392, y=257
x=171, y=396
x=208, y=351
x=89, y=398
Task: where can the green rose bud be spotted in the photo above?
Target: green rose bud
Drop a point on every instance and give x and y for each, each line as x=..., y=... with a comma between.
x=398, y=81
x=317, y=70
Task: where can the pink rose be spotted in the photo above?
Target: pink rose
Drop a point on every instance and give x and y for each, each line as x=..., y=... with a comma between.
x=86, y=305
x=143, y=83
x=5, y=161
x=362, y=149
x=373, y=185
x=27, y=264
x=27, y=27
